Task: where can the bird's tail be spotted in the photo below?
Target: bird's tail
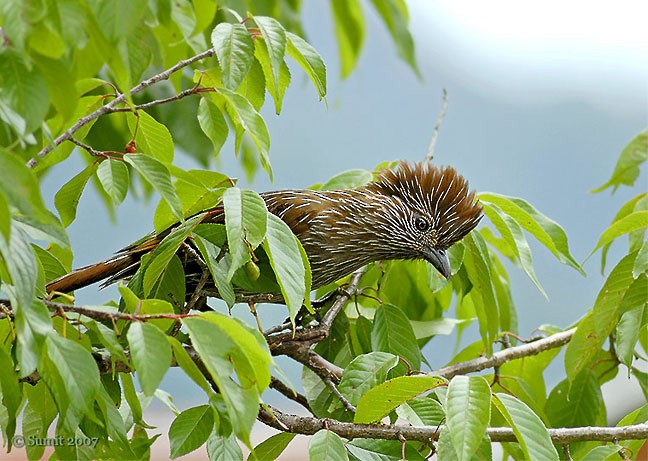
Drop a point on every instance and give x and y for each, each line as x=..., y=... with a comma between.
x=123, y=264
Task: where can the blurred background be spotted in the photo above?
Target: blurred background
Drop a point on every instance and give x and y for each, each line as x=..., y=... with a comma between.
x=542, y=99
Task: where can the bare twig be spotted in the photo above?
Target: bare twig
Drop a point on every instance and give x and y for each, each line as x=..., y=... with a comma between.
x=301, y=352
x=345, y=402
x=287, y=391
x=183, y=94
x=309, y=425
x=512, y=353
x=321, y=331
x=105, y=315
x=67, y=135
x=437, y=127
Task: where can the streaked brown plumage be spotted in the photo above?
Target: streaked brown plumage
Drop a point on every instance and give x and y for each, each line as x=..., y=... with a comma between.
x=413, y=211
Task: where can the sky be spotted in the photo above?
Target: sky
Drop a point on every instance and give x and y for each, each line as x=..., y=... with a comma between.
x=542, y=98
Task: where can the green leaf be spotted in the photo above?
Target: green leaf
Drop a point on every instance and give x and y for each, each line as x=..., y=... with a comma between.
x=218, y=269
x=467, y=406
x=158, y=261
x=283, y=250
x=245, y=222
x=227, y=346
x=5, y=217
x=384, y=398
x=630, y=223
x=529, y=430
x=251, y=121
x=157, y=174
x=198, y=191
x=626, y=170
x=349, y=30
x=274, y=49
x=235, y=51
x=221, y=448
x=72, y=376
x=190, y=430
x=601, y=453
x=395, y=16
x=546, y=231
x=60, y=82
x=478, y=264
x=513, y=234
x=213, y=123
x=627, y=331
x=382, y=450
x=67, y=198
x=253, y=87
x=579, y=403
x=24, y=193
x=113, y=175
x=641, y=263
x=106, y=335
x=272, y=447
x=363, y=373
x=119, y=18
x=152, y=137
x=190, y=368
x=33, y=325
x=351, y=179
x=115, y=426
x=24, y=90
x=393, y=333
x=428, y=328
x=151, y=354
x=276, y=88
x=422, y=411
x=20, y=262
x=600, y=321
x=38, y=415
x=12, y=394
x=309, y=60
x=328, y=446
x=638, y=203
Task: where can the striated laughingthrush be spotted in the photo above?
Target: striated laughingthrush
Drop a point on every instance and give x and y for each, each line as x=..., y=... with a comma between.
x=411, y=211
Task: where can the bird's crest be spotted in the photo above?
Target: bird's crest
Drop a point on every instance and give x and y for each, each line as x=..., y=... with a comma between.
x=440, y=191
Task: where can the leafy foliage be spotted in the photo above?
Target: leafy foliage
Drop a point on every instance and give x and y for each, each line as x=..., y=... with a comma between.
x=68, y=369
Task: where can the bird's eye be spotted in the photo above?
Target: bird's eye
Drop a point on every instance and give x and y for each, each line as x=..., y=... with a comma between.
x=421, y=224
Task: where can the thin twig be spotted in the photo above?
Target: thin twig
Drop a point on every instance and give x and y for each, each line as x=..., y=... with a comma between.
x=105, y=315
x=67, y=135
x=308, y=425
x=512, y=353
x=345, y=402
x=437, y=127
x=321, y=331
x=156, y=102
x=287, y=391
x=301, y=352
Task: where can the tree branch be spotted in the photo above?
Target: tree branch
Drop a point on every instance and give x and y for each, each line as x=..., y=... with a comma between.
x=105, y=315
x=321, y=331
x=69, y=133
x=308, y=425
x=287, y=391
x=507, y=355
x=437, y=127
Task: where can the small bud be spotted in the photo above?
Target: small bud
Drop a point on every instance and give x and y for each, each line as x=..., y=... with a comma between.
x=252, y=270
x=131, y=147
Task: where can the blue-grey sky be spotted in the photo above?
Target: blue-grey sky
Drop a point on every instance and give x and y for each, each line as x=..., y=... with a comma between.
x=541, y=102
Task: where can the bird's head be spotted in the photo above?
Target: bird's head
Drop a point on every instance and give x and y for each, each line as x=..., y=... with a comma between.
x=425, y=209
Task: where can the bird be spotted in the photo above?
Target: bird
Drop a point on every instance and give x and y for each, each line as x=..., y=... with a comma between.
x=410, y=211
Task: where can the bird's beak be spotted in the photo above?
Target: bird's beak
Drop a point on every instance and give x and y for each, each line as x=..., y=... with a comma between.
x=439, y=260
